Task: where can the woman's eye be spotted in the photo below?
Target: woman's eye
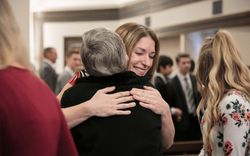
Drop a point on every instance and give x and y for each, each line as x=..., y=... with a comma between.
x=152, y=56
x=138, y=53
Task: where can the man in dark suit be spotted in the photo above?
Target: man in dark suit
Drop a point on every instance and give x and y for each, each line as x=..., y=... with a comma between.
x=182, y=93
x=47, y=71
x=164, y=69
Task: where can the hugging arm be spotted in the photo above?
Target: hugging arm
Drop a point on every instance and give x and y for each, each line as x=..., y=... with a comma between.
x=101, y=104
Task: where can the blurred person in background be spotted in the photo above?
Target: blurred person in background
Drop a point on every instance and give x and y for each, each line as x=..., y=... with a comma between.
x=164, y=70
x=73, y=65
x=47, y=71
x=162, y=76
x=31, y=122
x=183, y=94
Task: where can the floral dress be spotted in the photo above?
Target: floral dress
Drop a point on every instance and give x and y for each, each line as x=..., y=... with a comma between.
x=232, y=131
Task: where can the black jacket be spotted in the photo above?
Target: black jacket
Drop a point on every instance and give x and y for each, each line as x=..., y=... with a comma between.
x=137, y=134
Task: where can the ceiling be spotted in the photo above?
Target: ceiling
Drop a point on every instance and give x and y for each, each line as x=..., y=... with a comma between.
x=64, y=5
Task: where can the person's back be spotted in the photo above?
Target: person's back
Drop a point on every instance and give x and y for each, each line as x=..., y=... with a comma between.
x=133, y=135
x=31, y=120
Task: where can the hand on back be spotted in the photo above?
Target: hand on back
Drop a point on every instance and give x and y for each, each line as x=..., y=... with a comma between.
x=103, y=104
x=150, y=98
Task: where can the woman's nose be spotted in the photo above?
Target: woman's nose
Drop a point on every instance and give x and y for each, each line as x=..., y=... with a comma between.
x=146, y=61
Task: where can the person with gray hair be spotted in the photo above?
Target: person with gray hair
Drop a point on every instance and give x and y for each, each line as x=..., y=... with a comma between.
x=100, y=53
x=105, y=59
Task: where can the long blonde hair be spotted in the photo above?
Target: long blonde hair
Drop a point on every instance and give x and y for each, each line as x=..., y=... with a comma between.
x=12, y=48
x=220, y=68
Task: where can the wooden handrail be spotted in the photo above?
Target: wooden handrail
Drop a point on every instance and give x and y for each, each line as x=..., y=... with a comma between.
x=185, y=147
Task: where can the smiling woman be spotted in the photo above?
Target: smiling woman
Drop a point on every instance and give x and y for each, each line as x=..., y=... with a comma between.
x=142, y=56
x=142, y=47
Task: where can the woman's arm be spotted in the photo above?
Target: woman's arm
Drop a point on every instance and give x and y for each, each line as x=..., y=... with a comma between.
x=101, y=104
x=67, y=86
x=71, y=83
x=150, y=98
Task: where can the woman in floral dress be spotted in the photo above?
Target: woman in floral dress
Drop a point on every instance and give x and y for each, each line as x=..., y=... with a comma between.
x=224, y=82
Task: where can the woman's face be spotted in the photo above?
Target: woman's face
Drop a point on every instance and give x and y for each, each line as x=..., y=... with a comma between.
x=142, y=56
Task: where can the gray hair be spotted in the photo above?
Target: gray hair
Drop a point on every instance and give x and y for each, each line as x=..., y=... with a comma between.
x=103, y=52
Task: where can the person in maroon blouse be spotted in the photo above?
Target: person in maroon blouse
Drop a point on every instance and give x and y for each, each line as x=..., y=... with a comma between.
x=31, y=122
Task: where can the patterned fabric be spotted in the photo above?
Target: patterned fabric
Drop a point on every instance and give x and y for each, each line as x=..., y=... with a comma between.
x=232, y=131
x=77, y=75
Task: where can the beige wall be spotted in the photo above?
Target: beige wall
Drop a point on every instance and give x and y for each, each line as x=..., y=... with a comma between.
x=170, y=46
x=235, y=6
x=192, y=12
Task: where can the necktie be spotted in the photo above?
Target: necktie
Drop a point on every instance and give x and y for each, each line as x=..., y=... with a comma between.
x=167, y=79
x=189, y=96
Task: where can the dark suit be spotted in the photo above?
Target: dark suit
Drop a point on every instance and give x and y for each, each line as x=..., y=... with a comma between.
x=188, y=127
x=48, y=74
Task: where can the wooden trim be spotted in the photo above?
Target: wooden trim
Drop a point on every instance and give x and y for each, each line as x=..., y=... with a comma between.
x=85, y=15
x=185, y=147
x=240, y=19
x=151, y=6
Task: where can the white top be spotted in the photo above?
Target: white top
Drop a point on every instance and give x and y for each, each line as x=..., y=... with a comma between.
x=232, y=131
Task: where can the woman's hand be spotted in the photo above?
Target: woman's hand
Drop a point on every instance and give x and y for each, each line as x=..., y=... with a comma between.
x=69, y=84
x=103, y=104
x=151, y=98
